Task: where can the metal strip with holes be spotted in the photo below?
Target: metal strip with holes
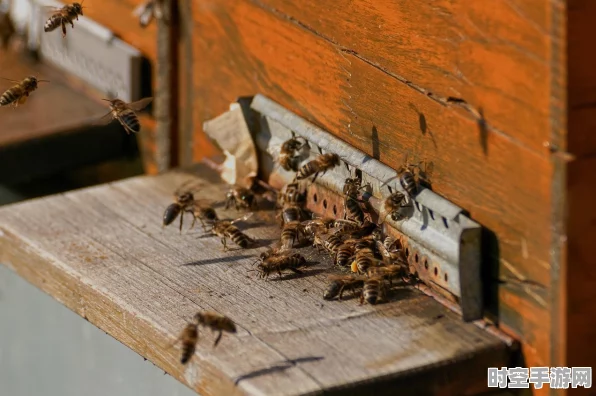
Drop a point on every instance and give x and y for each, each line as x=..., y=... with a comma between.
x=442, y=244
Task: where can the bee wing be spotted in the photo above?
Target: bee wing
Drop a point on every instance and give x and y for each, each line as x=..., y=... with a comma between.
x=243, y=218
x=139, y=104
x=50, y=9
x=384, y=252
x=104, y=120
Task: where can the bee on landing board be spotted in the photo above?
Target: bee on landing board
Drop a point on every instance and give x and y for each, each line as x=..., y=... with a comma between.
x=188, y=339
x=18, y=94
x=185, y=202
x=340, y=283
x=374, y=290
x=226, y=229
x=215, y=322
x=125, y=114
x=62, y=16
x=278, y=261
x=321, y=164
x=241, y=198
x=151, y=9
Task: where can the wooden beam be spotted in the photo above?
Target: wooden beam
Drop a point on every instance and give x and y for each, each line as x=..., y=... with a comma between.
x=103, y=253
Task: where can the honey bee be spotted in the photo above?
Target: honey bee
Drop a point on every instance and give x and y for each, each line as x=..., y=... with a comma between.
x=291, y=233
x=392, y=205
x=278, y=262
x=125, y=114
x=334, y=242
x=317, y=226
x=408, y=182
x=63, y=16
x=345, y=225
x=322, y=163
x=7, y=28
x=391, y=254
x=290, y=152
x=188, y=338
x=374, y=290
x=226, y=229
x=292, y=194
x=149, y=10
x=388, y=272
x=344, y=253
x=364, y=260
x=352, y=205
x=216, y=322
x=19, y=93
x=241, y=198
x=186, y=203
x=291, y=213
x=340, y=283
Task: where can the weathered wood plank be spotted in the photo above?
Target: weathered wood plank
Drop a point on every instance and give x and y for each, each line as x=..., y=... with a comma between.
x=257, y=51
x=103, y=253
x=494, y=55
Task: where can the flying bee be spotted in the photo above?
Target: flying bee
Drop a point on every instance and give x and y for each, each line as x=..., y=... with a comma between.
x=291, y=152
x=216, y=322
x=19, y=93
x=374, y=290
x=226, y=229
x=340, y=283
x=241, y=198
x=322, y=163
x=63, y=16
x=278, y=262
x=7, y=28
x=188, y=338
x=149, y=10
x=291, y=233
x=125, y=114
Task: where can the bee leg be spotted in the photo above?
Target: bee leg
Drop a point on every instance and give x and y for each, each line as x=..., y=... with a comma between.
x=362, y=297
x=315, y=178
x=223, y=242
x=341, y=292
x=202, y=224
x=63, y=25
x=181, y=217
x=194, y=220
x=218, y=339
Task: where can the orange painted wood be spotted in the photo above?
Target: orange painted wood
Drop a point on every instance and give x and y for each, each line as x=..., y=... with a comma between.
x=493, y=54
x=117, y=16
x=240, y=49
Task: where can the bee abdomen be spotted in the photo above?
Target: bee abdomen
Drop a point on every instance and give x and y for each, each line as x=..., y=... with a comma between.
x=408, y=183
x=130, y=119
x=372, y=291
x=8, y=97
x=344, y=253
x=291, y=214
x=355, y=211
x=307, y=170
x=170, y=214
x=363, y=262
x=332, y=291
x=52, y=23
x=238, y=237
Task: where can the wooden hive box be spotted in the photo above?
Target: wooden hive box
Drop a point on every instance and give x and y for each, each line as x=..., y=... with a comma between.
x=497, y=96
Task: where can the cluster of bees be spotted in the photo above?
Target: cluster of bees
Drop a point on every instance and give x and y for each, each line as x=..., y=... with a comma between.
x=123, y=112
x=366, y=259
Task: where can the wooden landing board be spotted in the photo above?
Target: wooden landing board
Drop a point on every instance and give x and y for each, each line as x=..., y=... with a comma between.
x=103, y=253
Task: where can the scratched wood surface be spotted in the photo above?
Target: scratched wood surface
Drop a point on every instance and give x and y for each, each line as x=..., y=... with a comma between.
x=243, y=48
x=103, y=253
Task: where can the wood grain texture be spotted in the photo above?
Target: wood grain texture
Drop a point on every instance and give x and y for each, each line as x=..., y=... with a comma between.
x=103, y=253
x=240, y=49
x=494, y=55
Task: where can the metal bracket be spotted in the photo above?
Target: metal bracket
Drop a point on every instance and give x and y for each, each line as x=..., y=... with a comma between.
x=443, y=245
